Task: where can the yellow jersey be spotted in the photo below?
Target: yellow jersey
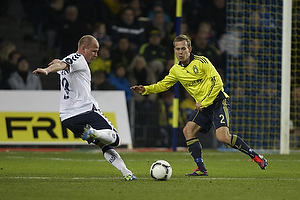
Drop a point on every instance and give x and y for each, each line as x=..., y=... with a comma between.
x=200, y=78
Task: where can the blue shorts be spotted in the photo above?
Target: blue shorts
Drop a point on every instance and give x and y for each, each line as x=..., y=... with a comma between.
x=216, y=114
x=94, y=118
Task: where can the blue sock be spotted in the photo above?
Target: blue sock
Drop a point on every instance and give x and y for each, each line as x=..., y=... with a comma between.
x=195, y=148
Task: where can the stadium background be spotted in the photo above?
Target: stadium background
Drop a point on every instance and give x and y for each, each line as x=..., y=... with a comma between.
x=248, y=38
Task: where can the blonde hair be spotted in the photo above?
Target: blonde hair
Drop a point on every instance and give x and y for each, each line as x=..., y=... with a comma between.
x=182, y=37
x=134, y=60
x=6, y=48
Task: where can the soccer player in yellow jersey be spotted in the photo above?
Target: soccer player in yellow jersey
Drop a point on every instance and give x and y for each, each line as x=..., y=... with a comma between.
x=200, y=78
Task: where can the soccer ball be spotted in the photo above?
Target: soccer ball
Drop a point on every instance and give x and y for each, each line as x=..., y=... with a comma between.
x=161, y=170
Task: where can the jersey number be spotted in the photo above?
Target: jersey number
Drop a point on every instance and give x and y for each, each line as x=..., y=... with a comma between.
x=65, y=86
x=222, y=119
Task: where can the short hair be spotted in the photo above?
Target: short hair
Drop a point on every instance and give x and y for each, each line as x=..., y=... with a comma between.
x=71, y=8
x=22, y=58
x=86, y=40
x=182, y=37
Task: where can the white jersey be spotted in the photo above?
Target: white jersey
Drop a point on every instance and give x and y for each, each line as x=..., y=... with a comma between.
x=75, y=86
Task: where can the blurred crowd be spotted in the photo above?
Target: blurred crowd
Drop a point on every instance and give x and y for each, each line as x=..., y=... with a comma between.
x=125, y=29
x=136, y=47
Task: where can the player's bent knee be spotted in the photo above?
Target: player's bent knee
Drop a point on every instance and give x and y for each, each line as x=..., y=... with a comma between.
x=186, y=133
x=118, y=141
x=108, y=136
x=189, y=133
x=190, y=130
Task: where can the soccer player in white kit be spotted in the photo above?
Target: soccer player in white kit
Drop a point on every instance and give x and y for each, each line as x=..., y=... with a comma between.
x=79, y=111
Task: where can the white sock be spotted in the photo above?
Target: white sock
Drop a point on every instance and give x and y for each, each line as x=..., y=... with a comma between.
x=115, y=159
x=106, y=136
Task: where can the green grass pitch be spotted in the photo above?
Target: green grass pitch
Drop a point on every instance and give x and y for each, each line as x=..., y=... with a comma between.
x=85, y=174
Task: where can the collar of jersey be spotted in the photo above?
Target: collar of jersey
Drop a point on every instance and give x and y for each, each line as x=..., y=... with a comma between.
x=191, y=58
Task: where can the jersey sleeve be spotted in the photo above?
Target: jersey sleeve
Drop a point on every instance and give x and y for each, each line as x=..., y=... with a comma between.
x=74, y=61
x=215, y=84
x=162, y=85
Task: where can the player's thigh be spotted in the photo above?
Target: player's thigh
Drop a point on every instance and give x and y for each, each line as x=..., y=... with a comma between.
x=99, y=121
x=202, y=119
x=221, y=114
x=96, y=119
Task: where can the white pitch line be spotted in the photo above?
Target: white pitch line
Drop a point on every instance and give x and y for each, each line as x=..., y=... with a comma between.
x=59, y=159
x=131, y=160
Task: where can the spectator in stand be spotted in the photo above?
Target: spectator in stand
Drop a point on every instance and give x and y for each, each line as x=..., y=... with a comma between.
x=230, y=43
x=113, y=9
x=202, y=47
x=7, y=68
x=13, y=58
x=158, y=7
x=216, y=15
x=138, y=8
x=100, y=82
x=23, y=78
x=140, y=74
x=6, y=48
x=184, y=29
x=33, y=11
x=117, y=78
x=102, y=61
x=192, y=11
x=295, y=60
x=101, y=35
x=129, y=27
x=156, y=54
x=71, y=31
x=52, y=19
x=122, y=53
x=249, y=73
x=165, y=72
x=164, y=28
x=206, y=27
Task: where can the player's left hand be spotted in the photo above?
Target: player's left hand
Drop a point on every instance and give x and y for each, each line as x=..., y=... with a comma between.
x=39, y=71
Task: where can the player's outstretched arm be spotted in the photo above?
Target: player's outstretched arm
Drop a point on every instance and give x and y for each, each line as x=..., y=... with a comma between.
x=54, y=66
x=138, y=88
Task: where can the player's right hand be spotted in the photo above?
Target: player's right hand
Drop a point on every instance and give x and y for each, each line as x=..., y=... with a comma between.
x=138, y=88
